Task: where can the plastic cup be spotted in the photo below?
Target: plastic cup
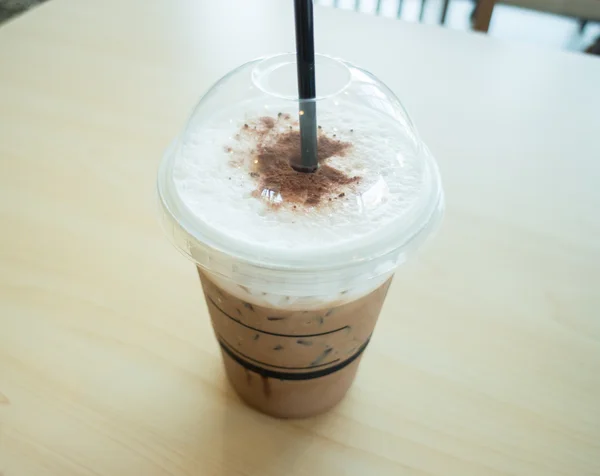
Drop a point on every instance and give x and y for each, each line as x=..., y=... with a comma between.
x=294, y=268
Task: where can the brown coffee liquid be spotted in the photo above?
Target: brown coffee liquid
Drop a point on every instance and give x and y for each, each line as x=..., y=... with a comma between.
x=291, y=364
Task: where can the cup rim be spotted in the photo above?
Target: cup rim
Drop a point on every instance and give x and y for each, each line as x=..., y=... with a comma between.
x=175, y=215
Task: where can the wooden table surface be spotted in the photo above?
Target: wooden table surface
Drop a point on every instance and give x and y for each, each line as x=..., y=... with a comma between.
x=486, y=360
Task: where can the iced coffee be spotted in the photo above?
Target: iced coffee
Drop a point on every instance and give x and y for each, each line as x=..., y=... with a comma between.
x=295, y=266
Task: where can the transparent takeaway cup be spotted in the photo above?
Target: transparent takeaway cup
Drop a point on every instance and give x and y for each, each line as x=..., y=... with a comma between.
x=295, y=267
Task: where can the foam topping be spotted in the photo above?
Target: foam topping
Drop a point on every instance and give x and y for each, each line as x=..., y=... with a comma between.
x=233, y=177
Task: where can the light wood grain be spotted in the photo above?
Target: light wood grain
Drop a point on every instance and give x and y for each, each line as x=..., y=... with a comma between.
x=486, y=360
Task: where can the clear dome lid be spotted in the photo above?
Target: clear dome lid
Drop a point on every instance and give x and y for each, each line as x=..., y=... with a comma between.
x=230, y=196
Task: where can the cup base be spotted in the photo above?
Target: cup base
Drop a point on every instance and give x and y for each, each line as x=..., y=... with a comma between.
x=289, y=399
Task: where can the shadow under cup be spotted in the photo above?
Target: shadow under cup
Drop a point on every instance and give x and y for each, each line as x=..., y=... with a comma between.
x=291, y=363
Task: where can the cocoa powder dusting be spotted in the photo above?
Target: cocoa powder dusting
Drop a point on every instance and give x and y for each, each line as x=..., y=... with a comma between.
x=277, y=148
x=276, y=176
x=268, y=122
x=277, y=142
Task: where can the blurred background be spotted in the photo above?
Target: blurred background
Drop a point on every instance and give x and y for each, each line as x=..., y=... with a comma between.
x=561, y=24
x=572, y=25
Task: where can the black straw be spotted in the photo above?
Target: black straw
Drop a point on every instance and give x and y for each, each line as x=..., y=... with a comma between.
x=305, y=58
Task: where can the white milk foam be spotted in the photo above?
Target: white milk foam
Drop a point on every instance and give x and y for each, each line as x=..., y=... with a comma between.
x=221, y=196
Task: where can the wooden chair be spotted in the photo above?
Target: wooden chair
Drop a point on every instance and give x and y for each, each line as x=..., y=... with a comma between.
x=583, y=9
x=445, y=5
x=336, y=4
